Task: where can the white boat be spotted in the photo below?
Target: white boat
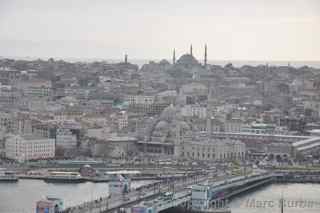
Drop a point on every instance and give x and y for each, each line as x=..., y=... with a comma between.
x=65, y=177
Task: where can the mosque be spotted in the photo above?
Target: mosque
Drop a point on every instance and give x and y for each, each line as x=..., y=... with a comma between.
x=171, y=135
x=188, y=60
x=187, y=66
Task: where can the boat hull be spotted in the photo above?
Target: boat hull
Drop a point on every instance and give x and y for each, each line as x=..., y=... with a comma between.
x=6, y=180
x=64, y=180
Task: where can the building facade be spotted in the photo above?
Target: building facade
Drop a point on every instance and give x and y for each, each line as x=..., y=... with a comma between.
x=213, y=150
x=66, y=139
x=28, y=147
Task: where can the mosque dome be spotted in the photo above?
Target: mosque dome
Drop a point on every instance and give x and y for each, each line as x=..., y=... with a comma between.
x=164, y=62
x=187, y=59
x=165, y=128
x=162, y=125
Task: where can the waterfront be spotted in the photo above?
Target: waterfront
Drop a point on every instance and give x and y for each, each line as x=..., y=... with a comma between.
x=267, y=199
x=21, y=197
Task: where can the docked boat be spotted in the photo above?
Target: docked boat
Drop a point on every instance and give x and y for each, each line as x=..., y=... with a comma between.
x=64, y=177
x=8, y=176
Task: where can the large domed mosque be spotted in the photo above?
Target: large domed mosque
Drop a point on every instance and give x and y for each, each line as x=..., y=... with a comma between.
x=173, y=135
x=187, y=60
x=164, y=133
x=187, y=66
x=164, y=129
x=170, y=135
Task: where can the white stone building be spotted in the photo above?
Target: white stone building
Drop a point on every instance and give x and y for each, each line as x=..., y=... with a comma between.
x=213, y=150
x=29, y=147
x=65, y=138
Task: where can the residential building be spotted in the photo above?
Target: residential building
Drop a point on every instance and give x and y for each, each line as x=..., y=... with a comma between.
x=29, y=147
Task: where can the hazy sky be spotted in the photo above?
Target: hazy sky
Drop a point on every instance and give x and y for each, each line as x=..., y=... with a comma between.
x=233, y=29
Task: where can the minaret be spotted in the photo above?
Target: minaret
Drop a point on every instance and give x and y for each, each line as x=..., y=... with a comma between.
x=191, y=50
x=209, y=111
x=125, y=58
x=174, y=57
x=205, y=55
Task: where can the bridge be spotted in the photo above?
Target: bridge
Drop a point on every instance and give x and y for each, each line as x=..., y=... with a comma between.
x=298, y=176
x=198, y=193
x=161, y=204
x=216, y=194
x=306, y=146
x=151, y=192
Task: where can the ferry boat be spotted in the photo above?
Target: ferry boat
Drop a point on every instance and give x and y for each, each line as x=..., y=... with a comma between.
x=64, y=177
x=8, y=176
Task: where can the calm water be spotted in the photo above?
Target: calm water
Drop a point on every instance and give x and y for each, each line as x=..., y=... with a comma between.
x=299, y=198
x=21, y=197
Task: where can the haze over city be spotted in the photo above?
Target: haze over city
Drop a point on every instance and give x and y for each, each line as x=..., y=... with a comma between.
x=234, y=30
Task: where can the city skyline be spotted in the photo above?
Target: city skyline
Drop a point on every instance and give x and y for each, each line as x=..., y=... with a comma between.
x=252, y=30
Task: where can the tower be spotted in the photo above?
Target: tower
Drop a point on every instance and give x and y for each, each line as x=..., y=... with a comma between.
x=205, y=55
x=125, y=58
x=209, y=111
x=191, y=50
x=174, y=57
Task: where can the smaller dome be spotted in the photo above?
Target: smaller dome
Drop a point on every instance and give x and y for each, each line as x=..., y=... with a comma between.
x=162, y=125
x=164, y=62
